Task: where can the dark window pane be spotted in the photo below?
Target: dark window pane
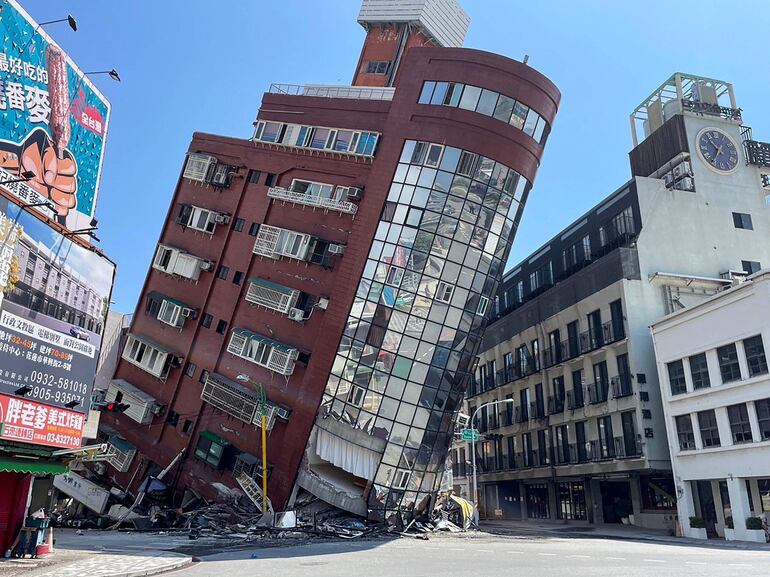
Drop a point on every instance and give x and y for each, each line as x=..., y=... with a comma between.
x=728, y=363
x=676, y=378
x=739, y=423
x=763, y=416
x=685, y=433
x=699, y=371
x=709, y=432
x=755, y=355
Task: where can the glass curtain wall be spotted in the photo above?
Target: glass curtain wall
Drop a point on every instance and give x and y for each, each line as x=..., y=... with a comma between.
x=414, y=328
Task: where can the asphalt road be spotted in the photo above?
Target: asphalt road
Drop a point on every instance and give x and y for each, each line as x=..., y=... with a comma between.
x=485, y=555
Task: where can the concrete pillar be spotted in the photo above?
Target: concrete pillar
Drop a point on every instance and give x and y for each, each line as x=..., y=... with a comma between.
x=756, y=434
x=719, y=507
x=739, y=502
x=723, y=422
x=553, y=503
x=589, y=496
x=685, y=508
x=523, y=501
x=695, y=430
x=756, y=497
x=596, y=497
x=636, y=498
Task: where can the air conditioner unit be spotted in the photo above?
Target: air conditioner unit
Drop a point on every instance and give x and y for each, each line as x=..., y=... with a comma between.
x=336, y=248
x=206, y=265
x=322, y=303
x=682, y=169
x=220, y=178
x=282, y=413
x=222, y=218
x=158, y=410
x=355, y=193
x=297, y=315
x=687, y=183
x=189, y=313
x=668, y=179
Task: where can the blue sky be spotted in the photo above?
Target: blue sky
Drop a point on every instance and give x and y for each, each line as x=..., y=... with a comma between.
x=195, y=65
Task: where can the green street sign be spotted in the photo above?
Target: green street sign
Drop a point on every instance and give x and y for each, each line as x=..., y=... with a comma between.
x=470, y=434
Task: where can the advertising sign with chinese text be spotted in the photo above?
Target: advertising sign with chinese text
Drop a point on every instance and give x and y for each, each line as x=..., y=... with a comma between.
x=82, y=490
x=26, y=421
x=54, y=296
x=53, y=121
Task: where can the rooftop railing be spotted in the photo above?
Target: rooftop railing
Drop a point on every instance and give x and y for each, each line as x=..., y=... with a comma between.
x=331, y=91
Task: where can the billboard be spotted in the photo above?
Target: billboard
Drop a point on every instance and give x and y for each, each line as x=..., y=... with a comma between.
x=38, y=424
x=53, y=122
x=54, y=296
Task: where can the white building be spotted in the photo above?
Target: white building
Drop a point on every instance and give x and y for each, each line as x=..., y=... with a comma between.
x=715, y=385
x=585, y=438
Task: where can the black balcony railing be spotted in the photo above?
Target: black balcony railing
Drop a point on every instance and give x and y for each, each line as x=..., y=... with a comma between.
x=574, y=399
x=621, y=386
x=536, y=410
x=521, y=415
x=628, y=447
x=555, y=405
x=565, y=454
x=597, y=392
x=710, y=109
x=757, y=153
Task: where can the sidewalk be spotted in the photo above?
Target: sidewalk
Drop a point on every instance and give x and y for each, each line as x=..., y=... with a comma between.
x=609, y=531
x=99, y=555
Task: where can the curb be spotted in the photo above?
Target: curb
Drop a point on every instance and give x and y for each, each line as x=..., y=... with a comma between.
x=184, y=561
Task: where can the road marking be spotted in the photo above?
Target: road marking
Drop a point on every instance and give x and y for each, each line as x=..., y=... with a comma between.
x=739, y=565
x=579, y=556
x=615, y=558
x=654, y=560
x=694, y=563
x=516, y=552
x=484, y=550
x=456, y=549
x=547, y=554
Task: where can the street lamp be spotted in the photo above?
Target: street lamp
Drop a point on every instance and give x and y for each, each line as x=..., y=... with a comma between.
x=263, y=403
x=473, y=444
x=111, y=73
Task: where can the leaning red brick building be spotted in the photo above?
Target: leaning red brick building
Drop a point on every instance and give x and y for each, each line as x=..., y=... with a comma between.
x=343, y=259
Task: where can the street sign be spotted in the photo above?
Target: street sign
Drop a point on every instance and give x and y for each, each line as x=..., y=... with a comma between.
x=470, y=434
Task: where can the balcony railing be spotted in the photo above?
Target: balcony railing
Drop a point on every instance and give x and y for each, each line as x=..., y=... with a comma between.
x=698, y=107
x=555, y=405
x=537, y=410
x=331, y=91
x=757, y=153
x=597, y=392
x=626, y=448
x=575, y=401
x=311, y=200
x=621, y=386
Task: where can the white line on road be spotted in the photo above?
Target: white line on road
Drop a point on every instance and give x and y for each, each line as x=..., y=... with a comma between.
x=615, y=558
x=654, y=560
x=485, y=550
x=547, y=554
x=695, y=563
x=739, y=565
x=579, y=556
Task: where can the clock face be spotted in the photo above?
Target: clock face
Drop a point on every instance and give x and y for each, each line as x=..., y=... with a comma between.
x=718, y=150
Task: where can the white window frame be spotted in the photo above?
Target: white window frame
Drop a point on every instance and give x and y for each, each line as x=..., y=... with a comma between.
x=401, y=479
x=197, y=214
x=170, y=313
x=394, y=276
x=481, y=309
x=274, y=242
x=315, y=189
x=180, y=263
x=444, y=292
x=356, y=396
x=431, y=148
x=262, y=354
x=271, y=299
x=199, y=167
x=148, y=358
